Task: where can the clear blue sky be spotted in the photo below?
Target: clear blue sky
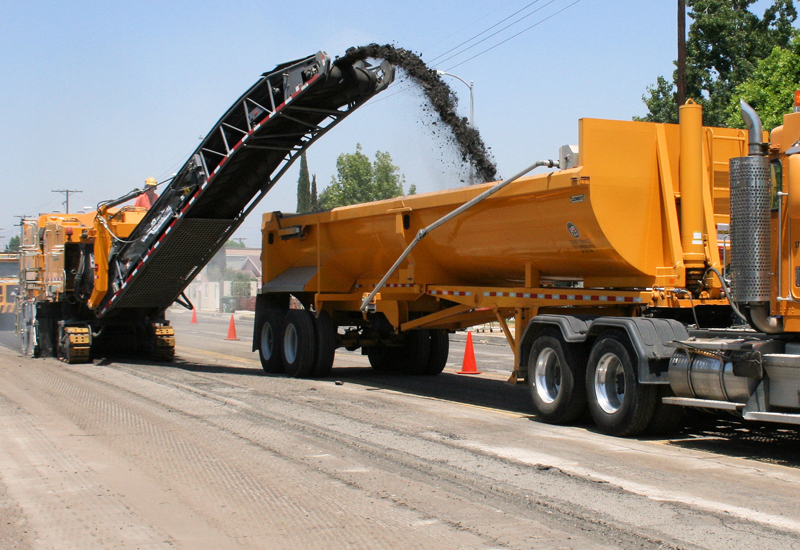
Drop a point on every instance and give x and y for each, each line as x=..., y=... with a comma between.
x=98, y=96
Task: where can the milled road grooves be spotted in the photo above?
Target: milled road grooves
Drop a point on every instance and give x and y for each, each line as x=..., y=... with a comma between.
x=198, y=455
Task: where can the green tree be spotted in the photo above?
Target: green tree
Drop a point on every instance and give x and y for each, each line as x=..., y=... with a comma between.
x=770, y=90
x=13, y=244
x=725, y=42
x=661, y=100
x=314, y=196
x=235, y=244
x=303, y=186
x=358, y=180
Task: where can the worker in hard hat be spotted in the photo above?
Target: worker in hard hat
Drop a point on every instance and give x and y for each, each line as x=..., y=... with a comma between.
x=146, y=199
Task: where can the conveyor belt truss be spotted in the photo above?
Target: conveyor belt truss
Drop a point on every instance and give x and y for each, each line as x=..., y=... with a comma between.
x=239, y=161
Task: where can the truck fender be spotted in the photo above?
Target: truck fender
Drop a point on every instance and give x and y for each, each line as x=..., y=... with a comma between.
x=573, y=328
x=649, y=338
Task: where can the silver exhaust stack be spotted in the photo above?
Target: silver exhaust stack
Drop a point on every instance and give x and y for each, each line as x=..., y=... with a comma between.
x=751, y=201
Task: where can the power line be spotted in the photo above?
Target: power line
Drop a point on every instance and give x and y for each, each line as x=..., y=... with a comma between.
x=66, y=194
x=487, y=30
x=540, y=8
x=405, y=89
x=516, y=35
x=448, y=37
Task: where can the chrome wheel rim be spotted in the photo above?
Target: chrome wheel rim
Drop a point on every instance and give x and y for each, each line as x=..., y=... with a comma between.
x=267, y=342
x=290, y=343
x=609, y=383
x=548, y=375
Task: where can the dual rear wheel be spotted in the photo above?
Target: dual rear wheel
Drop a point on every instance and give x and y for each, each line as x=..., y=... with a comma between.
x=297, y=342
x=422, y=352
x=564, y=382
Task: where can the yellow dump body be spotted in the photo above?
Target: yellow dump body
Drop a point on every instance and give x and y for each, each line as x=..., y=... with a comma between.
x=611, y=222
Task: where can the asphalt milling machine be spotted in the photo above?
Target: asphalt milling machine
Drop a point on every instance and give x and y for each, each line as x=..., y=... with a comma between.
x=100, y=282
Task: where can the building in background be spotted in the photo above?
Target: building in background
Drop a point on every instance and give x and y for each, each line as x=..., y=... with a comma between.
x=241, y=273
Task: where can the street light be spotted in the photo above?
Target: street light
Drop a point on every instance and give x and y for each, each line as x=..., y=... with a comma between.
x=471, y=87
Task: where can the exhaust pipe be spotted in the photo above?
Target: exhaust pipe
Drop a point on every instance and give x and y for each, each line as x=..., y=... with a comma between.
x=755, y=130
x=751, y=201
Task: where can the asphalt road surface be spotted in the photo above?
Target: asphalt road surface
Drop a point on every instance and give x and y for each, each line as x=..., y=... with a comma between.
x=208, y=452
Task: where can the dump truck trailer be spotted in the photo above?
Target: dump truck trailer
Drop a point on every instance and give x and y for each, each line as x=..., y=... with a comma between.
x=658, y=268
x=101, y=282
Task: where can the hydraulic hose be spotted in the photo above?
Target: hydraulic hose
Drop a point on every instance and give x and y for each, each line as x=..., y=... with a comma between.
x=441, y=221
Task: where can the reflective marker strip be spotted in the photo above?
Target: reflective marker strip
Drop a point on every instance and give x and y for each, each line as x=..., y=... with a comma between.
x=582, y=297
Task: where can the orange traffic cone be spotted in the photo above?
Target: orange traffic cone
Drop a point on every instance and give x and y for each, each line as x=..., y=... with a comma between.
x=469, y=366
x=194, y=317
x=231, y=330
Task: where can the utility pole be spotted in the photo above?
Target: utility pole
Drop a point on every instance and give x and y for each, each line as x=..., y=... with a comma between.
x=681, y=52
x=66, y=194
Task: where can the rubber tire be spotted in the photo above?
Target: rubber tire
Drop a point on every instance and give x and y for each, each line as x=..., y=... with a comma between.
x=666, y=418
x=639, y=400
x=439, y=352
x=570, y=401
x=326, y=344
x=383, y=359
x=414, y=355
x=273, y=322
x=299, y=343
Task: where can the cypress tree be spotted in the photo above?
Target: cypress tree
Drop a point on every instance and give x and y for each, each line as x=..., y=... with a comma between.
x=303, y=186
x=314, y=196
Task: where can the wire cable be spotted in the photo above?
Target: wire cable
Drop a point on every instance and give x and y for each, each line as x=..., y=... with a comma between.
x=487, y=30
x=402, y=90
x=516, y=35
x=540, y=8
x=448, y=37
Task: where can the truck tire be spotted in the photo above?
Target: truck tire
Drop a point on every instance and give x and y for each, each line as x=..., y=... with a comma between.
x=619, y=404
x=383, y=359
x=557, y=378
x=410, y=358
x=326, y=344
x=414, y=355
x=299, y=343
x=666, y=418
x=439, y=351
x=270, y=341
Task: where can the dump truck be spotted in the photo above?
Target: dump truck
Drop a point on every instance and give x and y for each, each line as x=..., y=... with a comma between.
x=657, y=269
x=101, y=282
x=9, y=287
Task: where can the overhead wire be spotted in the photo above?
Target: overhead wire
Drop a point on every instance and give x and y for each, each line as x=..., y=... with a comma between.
x=448, y=37
x=406, y=88
x=486, y=30
x=540, y=8
x=514, y=36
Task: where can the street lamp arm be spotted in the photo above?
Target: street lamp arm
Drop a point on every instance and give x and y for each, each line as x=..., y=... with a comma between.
x=471, y=86
x=442, y=73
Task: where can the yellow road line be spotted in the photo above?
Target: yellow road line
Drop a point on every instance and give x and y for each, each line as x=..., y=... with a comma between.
x=468, y=405
x=190, y=351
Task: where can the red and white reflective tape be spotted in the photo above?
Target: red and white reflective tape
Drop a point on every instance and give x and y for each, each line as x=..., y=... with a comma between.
x=389, y=285
x=450, y=293
x=570, y=297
